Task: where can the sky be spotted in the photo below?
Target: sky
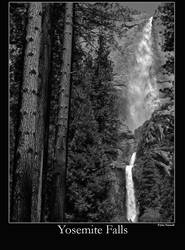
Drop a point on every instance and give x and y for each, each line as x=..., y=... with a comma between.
x=148, y=7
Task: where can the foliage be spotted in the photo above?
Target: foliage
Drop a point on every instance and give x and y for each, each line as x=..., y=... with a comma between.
x=92, y=123
x=166, y=14
x=151, y=215
x=17, y=28
x=91, y=137
x=154, y=172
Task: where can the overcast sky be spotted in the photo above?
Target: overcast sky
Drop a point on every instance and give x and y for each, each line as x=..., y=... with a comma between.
x=148, y=7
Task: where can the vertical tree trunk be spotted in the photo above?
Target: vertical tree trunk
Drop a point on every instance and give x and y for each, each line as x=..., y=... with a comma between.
x=61, y=144
x=44, y=69
x=29, y=154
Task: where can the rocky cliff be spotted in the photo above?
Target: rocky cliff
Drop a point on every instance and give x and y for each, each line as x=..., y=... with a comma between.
x=154, y=170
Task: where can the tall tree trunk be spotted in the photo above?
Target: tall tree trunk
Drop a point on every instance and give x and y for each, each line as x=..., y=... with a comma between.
x=64, y=92
x=29, y=153
x=44, y=70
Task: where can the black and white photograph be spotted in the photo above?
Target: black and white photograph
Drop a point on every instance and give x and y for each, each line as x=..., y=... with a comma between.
x=91, y=112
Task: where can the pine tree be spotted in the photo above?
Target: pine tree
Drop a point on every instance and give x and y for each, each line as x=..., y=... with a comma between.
x=63, y=113
x=92, y=136
x=28, y=162
x=48, y=190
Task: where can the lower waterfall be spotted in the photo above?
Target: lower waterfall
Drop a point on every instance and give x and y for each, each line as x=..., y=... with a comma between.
x=131, y=201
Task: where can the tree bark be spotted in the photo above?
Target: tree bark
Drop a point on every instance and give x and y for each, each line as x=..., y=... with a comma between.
x=29, y=153
x=44, y=70
x=62, y=126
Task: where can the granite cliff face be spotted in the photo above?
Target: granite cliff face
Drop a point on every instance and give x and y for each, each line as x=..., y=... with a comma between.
x=125, y=148
x=123, y=57
x=154, y=171
x=154, y=139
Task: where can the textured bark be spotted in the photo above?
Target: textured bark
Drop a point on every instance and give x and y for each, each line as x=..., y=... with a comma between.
x=64, y=92
x=29, y=153
x=44, y=69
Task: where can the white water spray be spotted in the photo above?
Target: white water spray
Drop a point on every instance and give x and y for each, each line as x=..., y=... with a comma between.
x=131, y=203
x=143, y=91
x=143, y=100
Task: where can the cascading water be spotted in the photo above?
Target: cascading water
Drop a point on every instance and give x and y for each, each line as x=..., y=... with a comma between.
x=142, y=89
x=131, y=203
x=143, y=100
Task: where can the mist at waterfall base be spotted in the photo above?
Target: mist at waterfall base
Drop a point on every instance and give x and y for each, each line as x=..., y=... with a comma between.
x=143, y=96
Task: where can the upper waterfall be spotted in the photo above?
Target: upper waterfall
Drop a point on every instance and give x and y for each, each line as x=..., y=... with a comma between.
x=142, y=90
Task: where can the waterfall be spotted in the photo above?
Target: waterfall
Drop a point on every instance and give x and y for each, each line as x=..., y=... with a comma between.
x=143, y=100
x=142, y=91
x=131, y=202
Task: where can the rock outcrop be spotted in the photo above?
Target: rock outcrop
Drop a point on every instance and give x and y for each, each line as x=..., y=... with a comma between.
x=154, y=170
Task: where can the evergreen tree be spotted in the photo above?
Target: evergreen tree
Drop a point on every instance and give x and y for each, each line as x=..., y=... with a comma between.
x=57, y=24
x=92, y=141
x=63, y=113
x=28, y=161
